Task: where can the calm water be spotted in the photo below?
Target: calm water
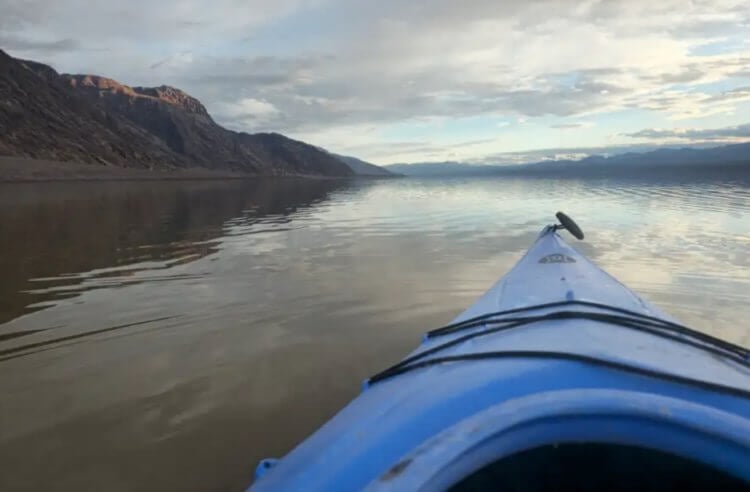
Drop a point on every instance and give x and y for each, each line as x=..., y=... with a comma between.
x=166, y=336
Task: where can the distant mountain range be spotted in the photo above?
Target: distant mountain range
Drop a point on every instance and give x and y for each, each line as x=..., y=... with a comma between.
x=363, y=168
x=96, y=120
x=732, y=159
x=447, y=168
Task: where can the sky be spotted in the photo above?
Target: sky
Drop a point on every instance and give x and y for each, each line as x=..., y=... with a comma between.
x=481, y=81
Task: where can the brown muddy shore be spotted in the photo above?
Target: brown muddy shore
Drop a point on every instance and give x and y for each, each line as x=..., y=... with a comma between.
x=23, y=169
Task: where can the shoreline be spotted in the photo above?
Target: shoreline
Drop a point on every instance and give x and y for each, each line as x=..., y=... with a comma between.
x=29, y=170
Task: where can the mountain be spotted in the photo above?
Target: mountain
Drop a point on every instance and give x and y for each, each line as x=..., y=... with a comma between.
x=362, y=168
x=440, y=169
x=92, y=119
x=713, y=161
x=41, y=117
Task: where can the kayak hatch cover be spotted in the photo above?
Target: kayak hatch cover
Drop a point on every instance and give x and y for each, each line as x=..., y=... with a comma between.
x=558, y=377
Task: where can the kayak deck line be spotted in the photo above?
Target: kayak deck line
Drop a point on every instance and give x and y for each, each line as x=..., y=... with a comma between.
x=736, y=353
x=742, y=353
x=480, y=320
x=542, y=354
x=475, y=321
x=483, y=321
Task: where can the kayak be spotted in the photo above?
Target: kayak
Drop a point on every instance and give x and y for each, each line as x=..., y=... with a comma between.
x=559, y=377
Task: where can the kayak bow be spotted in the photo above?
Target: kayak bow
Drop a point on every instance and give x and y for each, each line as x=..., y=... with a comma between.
x=559, y=375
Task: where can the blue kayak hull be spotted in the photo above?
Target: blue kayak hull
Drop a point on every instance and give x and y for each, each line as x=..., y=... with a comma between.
x=595, y=364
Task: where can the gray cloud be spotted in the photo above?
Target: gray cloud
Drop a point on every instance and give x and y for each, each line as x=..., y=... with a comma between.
x=190, y=23
x=37, y=46
x=316, y=92
x=381, y=74
x=735, y=19
x=340, y=64
x=741, y=131
x=686, y=74
x=697, y=71
x=737, y=93
x=692, y=103
x=568, y=126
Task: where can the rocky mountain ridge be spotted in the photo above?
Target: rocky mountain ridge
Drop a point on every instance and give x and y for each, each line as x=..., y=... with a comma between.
x=98, y=120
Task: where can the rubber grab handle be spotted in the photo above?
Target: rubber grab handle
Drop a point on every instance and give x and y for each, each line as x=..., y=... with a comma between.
x=570, y=225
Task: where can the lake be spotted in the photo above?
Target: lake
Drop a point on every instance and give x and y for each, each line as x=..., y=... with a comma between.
x=168, y=335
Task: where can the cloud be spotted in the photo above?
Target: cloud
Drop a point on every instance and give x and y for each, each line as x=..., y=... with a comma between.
x=683, y=104
x=172, y=61
x=481, y=58
x=736, y=94
x=313, y=93
x=328, y=66
x=249, y=113
x=140, y=21
x=572, y=125
x=727, y=133
x=38, y=46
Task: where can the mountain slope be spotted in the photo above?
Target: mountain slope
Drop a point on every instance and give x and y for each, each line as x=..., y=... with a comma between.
x=92, y=119
x=184, y=124
x=362, y=168
x=41, y=117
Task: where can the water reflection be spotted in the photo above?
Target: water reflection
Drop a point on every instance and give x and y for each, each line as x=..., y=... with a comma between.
x=59, y=239
x=168, y=335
